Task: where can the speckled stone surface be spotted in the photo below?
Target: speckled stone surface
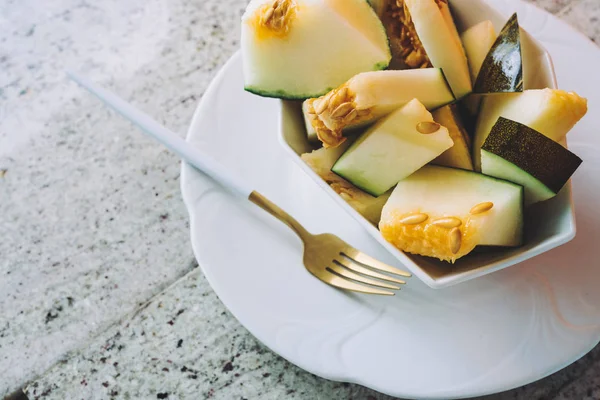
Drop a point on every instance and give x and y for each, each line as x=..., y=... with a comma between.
x=92, y=221
x=96, y=269
x=553, y=6
x=185, y=345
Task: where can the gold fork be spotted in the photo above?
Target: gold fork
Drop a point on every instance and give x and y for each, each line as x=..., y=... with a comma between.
x=334, y=261
x=326, y=256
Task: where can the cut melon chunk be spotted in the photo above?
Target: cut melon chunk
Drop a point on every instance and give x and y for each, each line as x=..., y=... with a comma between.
x=445, y=213
x=459, y=155
x=550, y=112
x=296, y=49
x=437, y=33
x=477, y=42
x=519, y=154
x=392, y=149
x=502, y=69
x=321, y=161
x=371, y=95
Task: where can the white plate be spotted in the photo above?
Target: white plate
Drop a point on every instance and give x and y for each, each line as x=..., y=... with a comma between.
x=487, y=335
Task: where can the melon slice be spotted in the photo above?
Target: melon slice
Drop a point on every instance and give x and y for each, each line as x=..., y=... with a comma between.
x=502, y=69
x=321, y=161
x=296, y=49
x=370, y=96
x=459, y=155
x=519, y=154
x=437, y=33
x=477, y=42
x=445, y=213
x=392, y=149
x=550, y=112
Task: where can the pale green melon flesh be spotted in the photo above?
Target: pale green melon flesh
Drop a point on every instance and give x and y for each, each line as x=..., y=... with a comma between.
x=477, y=42
x=391, y=150
x=321, y=50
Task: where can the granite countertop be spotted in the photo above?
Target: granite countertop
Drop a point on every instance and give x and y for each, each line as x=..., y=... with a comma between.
x=100, y=295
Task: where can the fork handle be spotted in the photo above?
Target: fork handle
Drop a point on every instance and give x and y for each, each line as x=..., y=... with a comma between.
x=278, y=213
x=171, y=140
x=187, y=152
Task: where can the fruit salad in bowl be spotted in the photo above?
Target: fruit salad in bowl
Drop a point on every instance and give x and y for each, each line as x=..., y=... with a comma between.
x=437, y=124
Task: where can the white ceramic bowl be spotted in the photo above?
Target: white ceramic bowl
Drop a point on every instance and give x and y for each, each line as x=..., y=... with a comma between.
x=547, y=225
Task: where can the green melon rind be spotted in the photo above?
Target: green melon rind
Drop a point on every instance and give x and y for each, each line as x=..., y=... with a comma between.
x=359, y=185
x=387, y=40
x=373, y=186
x=534, y=190
x=493, y=77
x=282, y=94
x=532, y=152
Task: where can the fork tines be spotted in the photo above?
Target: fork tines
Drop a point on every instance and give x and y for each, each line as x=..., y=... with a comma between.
x=353, y=270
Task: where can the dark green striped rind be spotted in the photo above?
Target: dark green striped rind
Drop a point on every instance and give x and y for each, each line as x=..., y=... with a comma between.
x=287, y=95
x=533, y=152
x=502, y=69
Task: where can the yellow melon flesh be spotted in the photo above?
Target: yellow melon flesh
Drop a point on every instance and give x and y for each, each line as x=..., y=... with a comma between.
x=428, y=239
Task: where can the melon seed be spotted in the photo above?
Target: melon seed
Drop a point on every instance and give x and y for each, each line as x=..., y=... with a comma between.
x=280, y=12
x=341, y=95
x=414, y=219
x=278, y=23
x=364, y=112
x=350, y=117
x=428, y=127
x=482, y=207
x=320, y=106
x=342, y=110
x=455, y=240
x=447, y=222
x=268, y=15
